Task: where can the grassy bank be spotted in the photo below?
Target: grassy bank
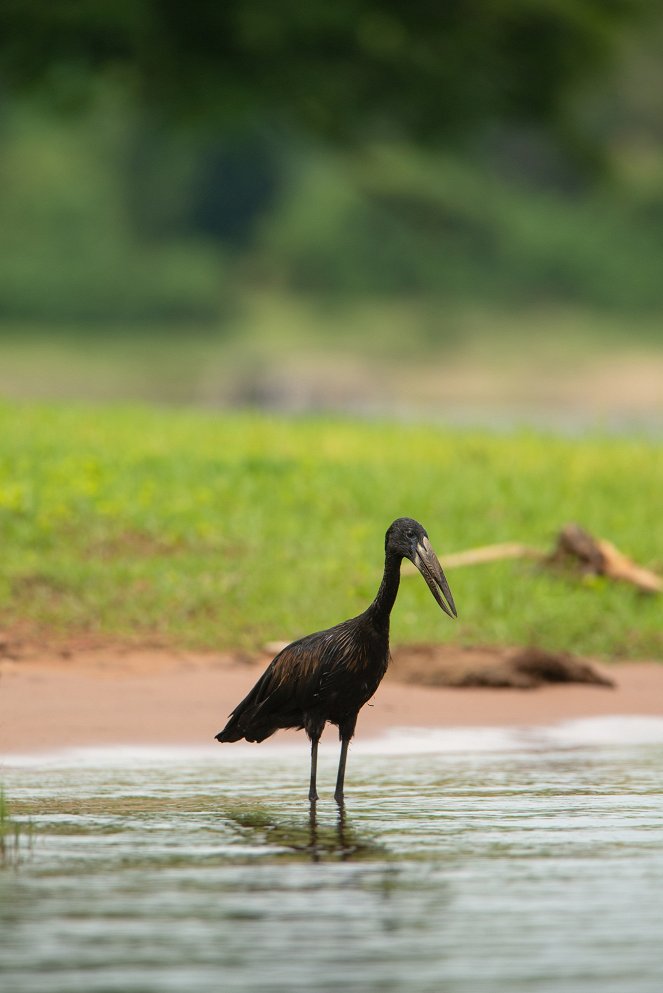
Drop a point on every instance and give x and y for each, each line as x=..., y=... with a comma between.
x=226, y=530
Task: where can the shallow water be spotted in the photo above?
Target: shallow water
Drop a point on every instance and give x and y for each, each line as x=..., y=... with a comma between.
x=463, y=862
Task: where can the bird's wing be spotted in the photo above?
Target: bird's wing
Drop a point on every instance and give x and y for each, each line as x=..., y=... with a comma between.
x=290, y=685
x=306, y=674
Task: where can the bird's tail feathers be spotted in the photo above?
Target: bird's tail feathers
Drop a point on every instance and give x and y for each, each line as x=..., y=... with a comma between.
x=239, y=727
x=229, y=734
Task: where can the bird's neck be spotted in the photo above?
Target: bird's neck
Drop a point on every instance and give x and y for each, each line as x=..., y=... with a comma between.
x=385, y=597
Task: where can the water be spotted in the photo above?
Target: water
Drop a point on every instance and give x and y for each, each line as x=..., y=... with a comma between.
x=463, y=862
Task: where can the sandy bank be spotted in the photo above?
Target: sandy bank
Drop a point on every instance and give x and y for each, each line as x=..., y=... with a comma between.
x=106, y=697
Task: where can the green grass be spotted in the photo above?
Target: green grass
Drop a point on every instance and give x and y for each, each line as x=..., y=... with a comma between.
x=14, y=836
x=216, y=530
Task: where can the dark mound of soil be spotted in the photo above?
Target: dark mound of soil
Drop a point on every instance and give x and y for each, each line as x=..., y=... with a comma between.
x=523, y=668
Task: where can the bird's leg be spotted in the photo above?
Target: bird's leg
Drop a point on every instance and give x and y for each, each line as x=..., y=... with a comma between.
x=340, y=778
x=312, y=792
x=345, y=733
x=314, y=728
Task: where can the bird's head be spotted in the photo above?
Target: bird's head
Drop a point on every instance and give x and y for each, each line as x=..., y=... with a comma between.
x=408, y=539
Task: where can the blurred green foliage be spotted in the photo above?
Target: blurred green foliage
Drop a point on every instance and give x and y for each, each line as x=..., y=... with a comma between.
x=341, y=69
x=104, y=221
x=164, y=164
x=68, y=244
x=401, y=224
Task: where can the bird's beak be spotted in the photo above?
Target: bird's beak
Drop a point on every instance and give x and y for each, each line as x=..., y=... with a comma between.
x=428, y=565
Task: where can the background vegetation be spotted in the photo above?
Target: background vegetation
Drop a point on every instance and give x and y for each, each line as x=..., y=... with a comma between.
x=163, y=166
x=217, y=531
x=314, y=207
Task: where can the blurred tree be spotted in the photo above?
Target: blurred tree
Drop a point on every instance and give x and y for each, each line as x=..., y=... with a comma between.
x=245, y=179
x=192, y=181
x=338, y=69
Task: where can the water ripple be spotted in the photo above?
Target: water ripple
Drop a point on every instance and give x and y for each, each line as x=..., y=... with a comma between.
x=536, y=868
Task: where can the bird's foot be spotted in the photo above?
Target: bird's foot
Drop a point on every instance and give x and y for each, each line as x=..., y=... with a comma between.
x=313, y=796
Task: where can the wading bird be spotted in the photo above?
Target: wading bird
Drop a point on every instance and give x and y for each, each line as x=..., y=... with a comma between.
x=330, y=675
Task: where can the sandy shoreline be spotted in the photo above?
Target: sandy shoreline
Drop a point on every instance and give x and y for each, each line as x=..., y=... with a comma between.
x=104, y=698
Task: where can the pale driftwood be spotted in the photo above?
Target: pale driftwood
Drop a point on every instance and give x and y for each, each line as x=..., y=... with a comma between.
x=599, y=557
x=618, y=566
x=484, y=553
x=595, y=556
x=490, y=553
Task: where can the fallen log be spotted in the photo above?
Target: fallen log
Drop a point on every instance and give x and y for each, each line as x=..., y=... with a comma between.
x=574, y=547
x=491, y=553
x=599, y=557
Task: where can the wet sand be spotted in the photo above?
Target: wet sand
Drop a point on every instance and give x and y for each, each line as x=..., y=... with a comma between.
x=163, y=698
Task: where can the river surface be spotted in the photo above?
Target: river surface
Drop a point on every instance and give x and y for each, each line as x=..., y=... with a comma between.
x=463, y=861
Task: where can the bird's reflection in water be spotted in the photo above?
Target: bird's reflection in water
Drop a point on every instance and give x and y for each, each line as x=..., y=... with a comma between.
x=341, y=844
x=318, y=838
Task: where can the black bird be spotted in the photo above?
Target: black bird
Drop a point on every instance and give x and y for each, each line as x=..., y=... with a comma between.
x=330, y=675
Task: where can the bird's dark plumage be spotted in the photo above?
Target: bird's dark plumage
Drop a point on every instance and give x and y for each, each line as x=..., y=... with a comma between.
x=329, y=676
